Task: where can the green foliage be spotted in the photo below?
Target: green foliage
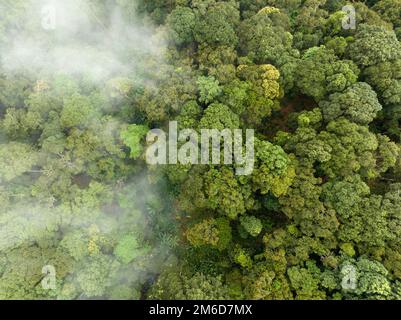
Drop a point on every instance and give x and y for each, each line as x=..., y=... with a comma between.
x=264, y=42
x=15, y=158
x=93, y=277
x=129, y=248
x=242, y=257
x=372, y=280
x=204, y=233
x=274, y=171
x=262, y=283
x=265, y=90
x=321, y=73
x=189, y=115
x=213, y=232
x=182, y=22
x=385, y=77
x=224, y=193
x=373, y=45
x=305, y=282
x=358, y=103
x=173, y=285
x=235, y=95
x=390, y=11
x=218, y=63
x=132, y=136
x=219, y=116
x=252, y=225
x=77, y=111
x=216, y=22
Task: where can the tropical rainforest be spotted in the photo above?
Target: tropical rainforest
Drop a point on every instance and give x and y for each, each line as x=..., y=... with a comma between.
x=83, y=81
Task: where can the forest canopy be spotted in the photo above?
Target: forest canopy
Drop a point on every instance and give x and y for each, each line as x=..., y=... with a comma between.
x=83, y=215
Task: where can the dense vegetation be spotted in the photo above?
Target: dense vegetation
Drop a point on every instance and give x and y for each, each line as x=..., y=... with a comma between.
x=321, y=208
